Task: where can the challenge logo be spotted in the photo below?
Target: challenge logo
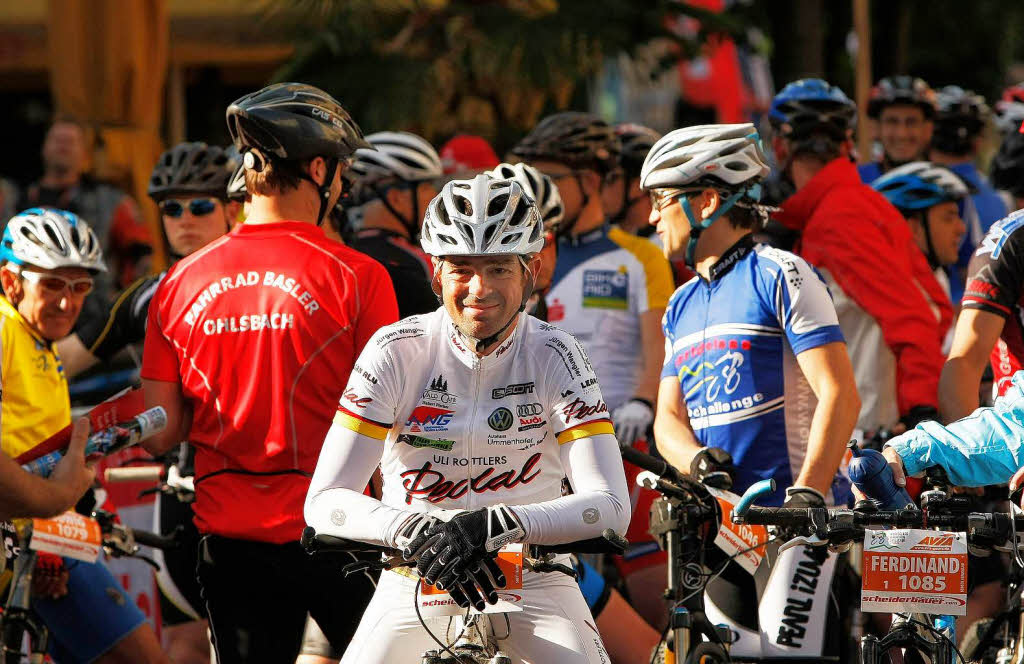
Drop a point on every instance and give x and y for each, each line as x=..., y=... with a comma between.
x=512, y=390
x=421, y=442
x=500, y=419
x=429, y=418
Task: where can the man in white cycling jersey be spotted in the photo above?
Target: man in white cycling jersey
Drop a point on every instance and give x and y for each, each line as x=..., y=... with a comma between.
x=474, y=414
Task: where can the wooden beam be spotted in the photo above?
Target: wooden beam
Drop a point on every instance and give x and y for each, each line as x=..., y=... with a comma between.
x=862, y=26
x=211, y=54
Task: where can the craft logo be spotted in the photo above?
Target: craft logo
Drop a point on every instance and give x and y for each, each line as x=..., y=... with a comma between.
x=437, y=394
x=512, y=390
x=421, y=442
x=500, y=419
x=429, y=418
x=606, y=289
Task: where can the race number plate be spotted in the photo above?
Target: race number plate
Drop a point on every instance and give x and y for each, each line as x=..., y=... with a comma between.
x=434, y=602
x=744, y=543
x=70, y=534
x=921, y=571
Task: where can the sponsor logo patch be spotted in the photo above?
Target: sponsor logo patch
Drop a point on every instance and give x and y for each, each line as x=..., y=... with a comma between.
x=500, y=419
x=429, y=418
x=421, y=441
x=606, y=289
x=512, y=390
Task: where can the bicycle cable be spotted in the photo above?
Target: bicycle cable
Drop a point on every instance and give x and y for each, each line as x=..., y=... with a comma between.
x=423, y=623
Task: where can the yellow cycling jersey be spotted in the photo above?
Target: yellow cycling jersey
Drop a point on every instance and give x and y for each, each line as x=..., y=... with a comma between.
x=35, y=400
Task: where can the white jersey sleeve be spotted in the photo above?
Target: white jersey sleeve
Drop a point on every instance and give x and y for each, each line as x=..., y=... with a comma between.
x=588, y=451
x=335, y=503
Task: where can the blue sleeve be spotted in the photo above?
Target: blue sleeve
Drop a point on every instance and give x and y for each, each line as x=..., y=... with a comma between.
x=668, y=368
x=981, y=449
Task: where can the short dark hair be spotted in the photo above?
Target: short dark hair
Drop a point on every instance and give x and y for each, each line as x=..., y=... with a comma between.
x=743, y=218
x=277, y=176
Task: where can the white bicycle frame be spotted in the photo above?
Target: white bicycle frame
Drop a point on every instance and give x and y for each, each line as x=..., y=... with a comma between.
x=475, y=642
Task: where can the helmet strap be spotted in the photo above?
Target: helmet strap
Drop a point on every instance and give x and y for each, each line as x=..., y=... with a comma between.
x=933, y=258
x=410, y=224
x=324, y=190
x=565, y=227
x=697, y=226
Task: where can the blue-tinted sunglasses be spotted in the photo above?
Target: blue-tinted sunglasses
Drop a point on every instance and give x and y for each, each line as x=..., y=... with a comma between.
x=199, y=207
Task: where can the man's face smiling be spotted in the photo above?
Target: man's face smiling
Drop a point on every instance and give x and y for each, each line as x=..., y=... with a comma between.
x=482, y=293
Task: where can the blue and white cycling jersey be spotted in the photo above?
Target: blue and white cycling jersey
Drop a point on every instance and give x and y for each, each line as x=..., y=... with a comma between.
x=732, y=342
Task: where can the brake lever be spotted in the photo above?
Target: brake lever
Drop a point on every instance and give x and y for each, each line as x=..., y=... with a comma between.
x=542, y=566
x=803, y=540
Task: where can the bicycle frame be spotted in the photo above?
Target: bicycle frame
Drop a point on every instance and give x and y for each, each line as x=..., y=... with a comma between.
x=475, y=644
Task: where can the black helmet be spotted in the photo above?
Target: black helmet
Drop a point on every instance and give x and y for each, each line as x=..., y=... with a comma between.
x=637, y=141
x=293, y=121
x=904, y=90
x=236, y=183
x=578, y=140
x=1008, y=165
x=960, y=117
x=190, y=168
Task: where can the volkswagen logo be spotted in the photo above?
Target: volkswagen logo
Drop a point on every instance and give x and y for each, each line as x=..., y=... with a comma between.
x=500, y=419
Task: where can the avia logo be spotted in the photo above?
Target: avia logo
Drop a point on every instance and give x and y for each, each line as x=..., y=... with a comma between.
x=439, y=384
x=429, y=418
x=933, y=543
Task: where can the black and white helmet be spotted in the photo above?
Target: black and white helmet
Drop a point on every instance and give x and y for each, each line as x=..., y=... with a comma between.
x=396, y=155
x=51, y=239
x=725, y=156
x=578, y=140
x=537, y=186
x=481, y=217
x=190, y=168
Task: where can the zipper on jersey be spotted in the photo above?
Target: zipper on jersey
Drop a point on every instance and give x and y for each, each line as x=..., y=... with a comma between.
x=471, y=433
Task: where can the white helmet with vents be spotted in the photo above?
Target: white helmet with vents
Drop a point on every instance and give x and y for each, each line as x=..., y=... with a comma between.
x=480, y=217
x=396, y=155
x=724, y=156
x=537, y=186
x=51, y=239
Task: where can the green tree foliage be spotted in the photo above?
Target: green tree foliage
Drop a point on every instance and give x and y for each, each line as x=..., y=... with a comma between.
x=481, y=66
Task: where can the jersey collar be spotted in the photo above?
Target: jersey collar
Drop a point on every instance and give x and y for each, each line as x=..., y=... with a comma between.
x=585, y=238
x=731, y=257
x=501, y=355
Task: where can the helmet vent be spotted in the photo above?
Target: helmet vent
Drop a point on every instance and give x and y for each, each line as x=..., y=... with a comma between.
x=497, y=204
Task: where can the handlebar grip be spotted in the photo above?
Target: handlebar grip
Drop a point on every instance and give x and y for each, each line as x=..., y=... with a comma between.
x=149, y=474
x=756, y=490
x=314, y=543
x=777, y=516
x=650, y=463
x=609, y=542
x=146, y=538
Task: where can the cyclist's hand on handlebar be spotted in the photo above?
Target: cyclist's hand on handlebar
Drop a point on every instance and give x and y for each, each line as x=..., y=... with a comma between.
x=476, y=585
x=466, y=540
x=803, y=496
x=416, y=534
x=711, y=460
x=72, y=476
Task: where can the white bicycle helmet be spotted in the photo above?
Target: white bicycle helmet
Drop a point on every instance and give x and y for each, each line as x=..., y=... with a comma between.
x=537, y=186
x=713, y=155
x=482, y=216
x=51, y=239
x=397, y=155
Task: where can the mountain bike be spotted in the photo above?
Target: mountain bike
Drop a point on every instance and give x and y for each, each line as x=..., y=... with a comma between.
x=475, y=641
x=930, y=638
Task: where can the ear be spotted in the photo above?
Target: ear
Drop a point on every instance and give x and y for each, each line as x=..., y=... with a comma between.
x=533, y=264
x=318, y=170
x=709, y=202
x=11, y=284
x=592, y=181
x=232, y=209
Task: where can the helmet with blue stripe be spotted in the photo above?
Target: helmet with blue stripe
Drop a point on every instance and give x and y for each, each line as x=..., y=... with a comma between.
x=920, y=185
x=51, y=239
x=810, y=105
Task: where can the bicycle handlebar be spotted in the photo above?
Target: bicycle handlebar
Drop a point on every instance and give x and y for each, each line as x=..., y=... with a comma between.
x=149, y=474
x=146, y=538
x=609, y=542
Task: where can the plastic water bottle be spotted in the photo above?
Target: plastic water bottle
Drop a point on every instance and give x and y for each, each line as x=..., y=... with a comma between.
x=870, y=472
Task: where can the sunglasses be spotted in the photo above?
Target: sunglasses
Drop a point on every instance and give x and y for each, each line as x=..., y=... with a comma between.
x=660, y=198
x=198, y=207
x=52, y=283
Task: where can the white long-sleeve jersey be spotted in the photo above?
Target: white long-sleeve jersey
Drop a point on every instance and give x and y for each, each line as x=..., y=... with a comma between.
x=454, y=431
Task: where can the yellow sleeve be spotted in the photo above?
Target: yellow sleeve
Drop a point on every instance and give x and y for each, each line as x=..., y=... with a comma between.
x=658, y=282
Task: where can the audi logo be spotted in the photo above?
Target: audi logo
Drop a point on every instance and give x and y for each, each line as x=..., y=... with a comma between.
x=528, y=409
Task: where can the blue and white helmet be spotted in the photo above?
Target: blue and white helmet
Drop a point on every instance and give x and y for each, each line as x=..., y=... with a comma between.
x=920, y=185
x=51, y=239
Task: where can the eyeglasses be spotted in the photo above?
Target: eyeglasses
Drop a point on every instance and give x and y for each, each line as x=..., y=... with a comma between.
x=199, y=207
x=54, y=283
x=660, y=198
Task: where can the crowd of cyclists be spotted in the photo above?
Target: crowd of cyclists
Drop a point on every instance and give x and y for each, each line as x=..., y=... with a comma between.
x=441, y=353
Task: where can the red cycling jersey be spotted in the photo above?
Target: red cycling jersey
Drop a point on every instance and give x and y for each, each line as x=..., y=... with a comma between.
x=261, y=328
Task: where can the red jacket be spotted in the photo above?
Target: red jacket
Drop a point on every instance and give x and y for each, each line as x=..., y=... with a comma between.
x=853, y=232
